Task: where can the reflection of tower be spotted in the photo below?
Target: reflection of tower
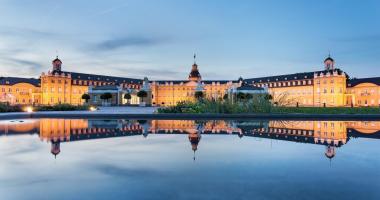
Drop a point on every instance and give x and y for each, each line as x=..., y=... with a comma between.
x=330, y=152
x=194, y=139
x=241, y=134
x=55, y=148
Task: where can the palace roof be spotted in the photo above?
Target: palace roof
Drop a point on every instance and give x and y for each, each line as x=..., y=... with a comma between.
x=249, y=87
x=356, y=81
x=290, y=77
x=186, y=81
x=94, y=77
x=15, y=80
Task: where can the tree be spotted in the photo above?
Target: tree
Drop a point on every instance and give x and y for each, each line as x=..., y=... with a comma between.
x=268, y=97
x=199, y=94
x=128, y=97
x=106, y=96
x=225, y=96
x=142, y=94
x=86, y=97
x=240, y=96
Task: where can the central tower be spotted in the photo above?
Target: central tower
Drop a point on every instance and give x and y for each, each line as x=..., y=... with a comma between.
x=57, y=65
x=194, y=74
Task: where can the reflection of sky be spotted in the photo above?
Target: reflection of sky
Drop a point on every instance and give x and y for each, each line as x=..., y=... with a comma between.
x=161, y=167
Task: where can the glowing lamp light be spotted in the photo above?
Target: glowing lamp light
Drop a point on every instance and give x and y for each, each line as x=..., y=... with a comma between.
x=92, y=108
x=29, y=109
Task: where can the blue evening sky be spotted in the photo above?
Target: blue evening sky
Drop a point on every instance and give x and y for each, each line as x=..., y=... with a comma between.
x=137, y=38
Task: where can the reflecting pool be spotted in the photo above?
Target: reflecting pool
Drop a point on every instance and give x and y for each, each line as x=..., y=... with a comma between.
x=188, y=159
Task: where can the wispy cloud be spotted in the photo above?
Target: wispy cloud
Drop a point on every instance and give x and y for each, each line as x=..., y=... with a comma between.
x=136, y=41
x=110, y=10
x=25, y=32
x=24, y=67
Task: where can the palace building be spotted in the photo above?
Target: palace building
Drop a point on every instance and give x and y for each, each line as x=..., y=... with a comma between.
x=171, y=92
x=330, y=87
x=58, y=86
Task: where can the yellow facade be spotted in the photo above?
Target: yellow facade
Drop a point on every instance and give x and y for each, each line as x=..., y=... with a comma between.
x=326, y=88
x=319, y=89
x=168, y=93
x=20, y=93
x=364, y=94
x=59, y=88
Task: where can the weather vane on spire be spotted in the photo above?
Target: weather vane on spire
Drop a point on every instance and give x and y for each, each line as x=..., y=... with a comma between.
x=56, y=52
x=195, y=56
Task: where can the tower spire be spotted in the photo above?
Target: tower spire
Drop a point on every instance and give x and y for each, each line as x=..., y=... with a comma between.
x=195, y=56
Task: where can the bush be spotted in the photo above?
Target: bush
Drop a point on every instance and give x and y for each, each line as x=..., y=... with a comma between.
x=61, y=107
x=198, y=94
x=256, y=104
x=8, y=108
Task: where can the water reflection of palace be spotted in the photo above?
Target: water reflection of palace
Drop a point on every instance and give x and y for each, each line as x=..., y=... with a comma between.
x=331, y=134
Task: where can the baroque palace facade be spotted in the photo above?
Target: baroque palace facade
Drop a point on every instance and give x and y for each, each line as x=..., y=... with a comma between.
x=330, y=87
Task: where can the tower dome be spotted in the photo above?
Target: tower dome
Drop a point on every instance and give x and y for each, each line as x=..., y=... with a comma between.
x=329, y=63
x=194, y=74
x=57, y=63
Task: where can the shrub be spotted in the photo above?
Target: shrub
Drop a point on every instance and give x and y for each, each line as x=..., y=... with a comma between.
x=61, y=107
x=5, y=107
x=257, y=104
x=198, y=94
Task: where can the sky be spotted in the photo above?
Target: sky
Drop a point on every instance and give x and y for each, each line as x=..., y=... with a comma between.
x=157, y=39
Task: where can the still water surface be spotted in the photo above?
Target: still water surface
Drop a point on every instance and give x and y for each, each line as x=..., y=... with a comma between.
x=187, y=159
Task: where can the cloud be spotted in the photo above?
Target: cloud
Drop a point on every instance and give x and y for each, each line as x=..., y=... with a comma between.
x=110, y=10
x=136, y=41
x=26, y=67
x=25, y=32
x=116, y=171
